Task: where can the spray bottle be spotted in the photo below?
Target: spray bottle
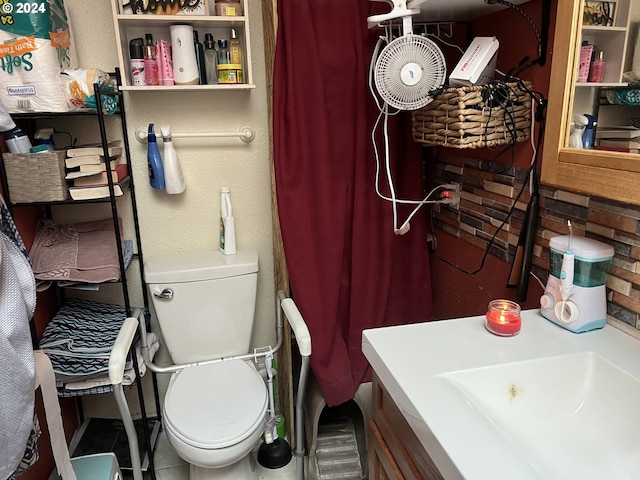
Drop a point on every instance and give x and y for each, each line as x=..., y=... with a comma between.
x=173, y=178
x=156, y=171
x=227, y=224
x=577, y=131
x=587, y=136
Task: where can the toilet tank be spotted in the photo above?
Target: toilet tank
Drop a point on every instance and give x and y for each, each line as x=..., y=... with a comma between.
x=204, y=302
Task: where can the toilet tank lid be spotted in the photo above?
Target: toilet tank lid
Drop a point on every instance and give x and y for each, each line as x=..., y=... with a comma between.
x=196, y=266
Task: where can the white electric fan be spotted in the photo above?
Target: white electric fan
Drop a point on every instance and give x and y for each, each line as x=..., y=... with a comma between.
x=406, y=72
x=409, y=67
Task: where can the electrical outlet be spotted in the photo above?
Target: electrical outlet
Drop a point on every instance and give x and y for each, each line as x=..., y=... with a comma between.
x=451, y=194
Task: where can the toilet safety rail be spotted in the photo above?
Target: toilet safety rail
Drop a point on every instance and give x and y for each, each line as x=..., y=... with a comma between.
x=287, y=307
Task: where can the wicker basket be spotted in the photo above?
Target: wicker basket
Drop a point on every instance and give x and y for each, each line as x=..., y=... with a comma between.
x=35, y=177
x=475, y=116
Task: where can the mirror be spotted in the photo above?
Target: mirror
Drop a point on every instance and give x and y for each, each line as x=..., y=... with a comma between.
x=593, y=129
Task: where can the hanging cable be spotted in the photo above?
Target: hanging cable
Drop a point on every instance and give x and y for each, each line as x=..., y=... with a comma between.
x=539, y=116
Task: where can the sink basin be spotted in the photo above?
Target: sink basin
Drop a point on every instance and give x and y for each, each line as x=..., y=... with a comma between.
x=570, y=416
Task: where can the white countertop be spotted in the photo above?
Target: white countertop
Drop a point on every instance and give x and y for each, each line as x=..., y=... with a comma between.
x=463, y=444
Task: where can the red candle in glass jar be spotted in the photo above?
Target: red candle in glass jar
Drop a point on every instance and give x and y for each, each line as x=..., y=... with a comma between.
x=503, y=318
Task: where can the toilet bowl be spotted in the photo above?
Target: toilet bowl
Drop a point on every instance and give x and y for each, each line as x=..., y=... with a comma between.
x=214, y=413
x=214, y=416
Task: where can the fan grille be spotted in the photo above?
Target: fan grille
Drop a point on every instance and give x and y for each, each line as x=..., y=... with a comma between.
x=407, y=70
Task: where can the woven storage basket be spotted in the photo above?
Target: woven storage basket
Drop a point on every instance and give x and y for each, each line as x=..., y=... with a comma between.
x=35, y=177
x=475, y=116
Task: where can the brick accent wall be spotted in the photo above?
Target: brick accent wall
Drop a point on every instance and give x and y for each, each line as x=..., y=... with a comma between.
x=489, y=189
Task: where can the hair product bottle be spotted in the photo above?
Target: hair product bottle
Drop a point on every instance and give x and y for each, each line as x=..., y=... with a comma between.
x=150, y=64
x=156, y=171
x=136, y=61
x=227, y=224
x=210, y=59
x=173, y=178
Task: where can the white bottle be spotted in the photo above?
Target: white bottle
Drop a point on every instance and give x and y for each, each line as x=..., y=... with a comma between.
x=173, y=178
x=227, y=224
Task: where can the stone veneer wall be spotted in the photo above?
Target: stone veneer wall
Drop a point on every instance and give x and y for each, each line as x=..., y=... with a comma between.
x=488, y=192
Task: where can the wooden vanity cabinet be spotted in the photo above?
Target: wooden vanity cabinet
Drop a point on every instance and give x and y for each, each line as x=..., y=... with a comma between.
x=606, y=174
x=395, y=453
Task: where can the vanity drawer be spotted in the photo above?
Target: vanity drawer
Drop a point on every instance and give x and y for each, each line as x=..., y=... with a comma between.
x=412, y=461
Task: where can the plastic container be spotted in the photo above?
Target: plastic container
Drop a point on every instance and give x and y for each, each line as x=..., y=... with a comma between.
x=185, y=65
x=173, y=178
x=17, y=140
x=227, y=223
x=154, y=159
x=229, y=9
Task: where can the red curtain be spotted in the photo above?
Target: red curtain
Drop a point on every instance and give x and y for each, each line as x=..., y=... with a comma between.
x=348, y=270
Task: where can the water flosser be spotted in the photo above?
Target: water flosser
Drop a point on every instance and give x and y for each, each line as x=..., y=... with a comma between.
x=566, y=279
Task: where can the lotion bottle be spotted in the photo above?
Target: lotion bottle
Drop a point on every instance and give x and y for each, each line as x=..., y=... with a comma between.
x=227, y=224
x=173, y=178
x=156, y=171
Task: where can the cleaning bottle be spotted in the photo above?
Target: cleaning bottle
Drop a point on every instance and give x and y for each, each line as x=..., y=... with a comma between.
x=587, y=135
x=156, y=171
x=173, y=178
x=227, y=224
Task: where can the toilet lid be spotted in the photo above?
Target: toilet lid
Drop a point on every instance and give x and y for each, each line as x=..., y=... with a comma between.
x=216, y=405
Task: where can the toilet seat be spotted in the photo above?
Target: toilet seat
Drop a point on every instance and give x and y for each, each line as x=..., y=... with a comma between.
x=216, y=405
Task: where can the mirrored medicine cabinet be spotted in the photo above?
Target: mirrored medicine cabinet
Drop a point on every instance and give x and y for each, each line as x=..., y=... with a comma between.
x=592, y=139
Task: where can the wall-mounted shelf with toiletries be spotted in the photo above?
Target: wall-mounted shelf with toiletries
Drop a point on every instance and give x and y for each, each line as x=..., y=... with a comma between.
x=220, y=27
x=603, y=51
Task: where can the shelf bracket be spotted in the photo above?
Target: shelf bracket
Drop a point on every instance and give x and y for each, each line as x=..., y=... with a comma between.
x=245, y=133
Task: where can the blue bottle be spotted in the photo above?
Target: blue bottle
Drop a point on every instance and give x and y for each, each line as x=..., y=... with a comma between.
x=156, y=171
x=587, y=135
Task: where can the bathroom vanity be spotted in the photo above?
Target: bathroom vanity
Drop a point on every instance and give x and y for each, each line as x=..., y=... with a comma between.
x=453, y=401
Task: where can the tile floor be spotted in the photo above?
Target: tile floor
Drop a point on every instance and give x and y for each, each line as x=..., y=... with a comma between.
x=169, y=466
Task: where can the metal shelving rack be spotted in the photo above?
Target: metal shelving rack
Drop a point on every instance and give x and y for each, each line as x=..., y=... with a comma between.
x=101, y=92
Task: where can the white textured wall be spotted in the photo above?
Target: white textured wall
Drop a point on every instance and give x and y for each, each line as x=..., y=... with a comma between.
x=189, y=222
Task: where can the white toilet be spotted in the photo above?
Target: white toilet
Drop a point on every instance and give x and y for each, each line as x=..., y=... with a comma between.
x=214, y=414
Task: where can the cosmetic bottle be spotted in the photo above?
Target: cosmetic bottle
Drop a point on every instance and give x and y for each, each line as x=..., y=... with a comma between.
x=150, y=65
x=227, y=224
x=163, y=59
x=596, y=75
x=136, y=61
x=156, y=171
x=202, y=72
x=235, y=55
x=227, y=71
x=210, y=59
x=173, y=178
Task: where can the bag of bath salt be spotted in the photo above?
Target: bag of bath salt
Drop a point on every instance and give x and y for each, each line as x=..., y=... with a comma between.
x=35, y=46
